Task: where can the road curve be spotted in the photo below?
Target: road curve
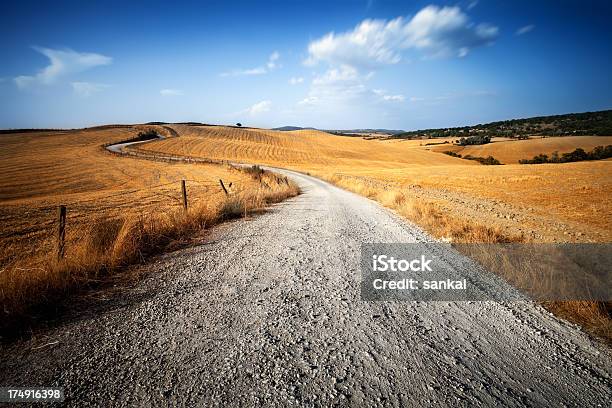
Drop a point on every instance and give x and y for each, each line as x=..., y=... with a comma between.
x=268, y=312
x=118, y=147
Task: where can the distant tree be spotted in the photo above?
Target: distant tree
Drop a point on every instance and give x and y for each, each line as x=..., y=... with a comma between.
x=474, y=140
x=239, y=124
x=577, y=155
x=598, y=153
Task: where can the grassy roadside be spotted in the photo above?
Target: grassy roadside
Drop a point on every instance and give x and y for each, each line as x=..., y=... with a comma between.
x=594, y=317
x=424, y=213
x=107, y=246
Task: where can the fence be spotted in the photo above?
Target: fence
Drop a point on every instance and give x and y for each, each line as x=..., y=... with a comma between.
x=52, y=227
x=183, y=197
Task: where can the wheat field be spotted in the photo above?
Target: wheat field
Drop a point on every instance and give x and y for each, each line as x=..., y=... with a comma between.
x=41, y=170
x=547, y=203
x=510, y=151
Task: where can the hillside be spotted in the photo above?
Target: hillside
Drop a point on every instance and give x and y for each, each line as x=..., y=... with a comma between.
x=344, y=131
x=299, y=148
x=546, y=202
x=40, y=170
x=510, y=151
x=573, y=124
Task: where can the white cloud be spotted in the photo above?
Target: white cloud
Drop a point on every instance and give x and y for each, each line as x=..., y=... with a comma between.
x=259, y=107
x=525, y=29
x=87, y=88
x=296, y=80
x=345, y=85
x=336, y=85
x=435, y=31
x=171, y=92
x=394, y=98
x=61, y=64
x=245, y=72
x=386, y=97
x=270, y=65
x=472, y=4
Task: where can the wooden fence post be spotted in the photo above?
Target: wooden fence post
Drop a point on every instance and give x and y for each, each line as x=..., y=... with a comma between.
x=184, y=191
x=61, y=232
x=223, y=187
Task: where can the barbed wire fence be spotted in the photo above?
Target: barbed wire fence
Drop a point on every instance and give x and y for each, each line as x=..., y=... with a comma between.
x=75, y=214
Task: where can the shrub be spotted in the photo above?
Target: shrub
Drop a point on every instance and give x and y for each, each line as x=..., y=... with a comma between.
x=448, y=152
x=598, y=153
x=475, y=140
x=487, y=161
x=147, y=134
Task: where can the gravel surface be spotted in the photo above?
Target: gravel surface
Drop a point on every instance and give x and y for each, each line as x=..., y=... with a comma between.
x=268, y=312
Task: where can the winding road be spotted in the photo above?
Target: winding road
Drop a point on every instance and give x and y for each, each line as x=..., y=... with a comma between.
x=268, y=312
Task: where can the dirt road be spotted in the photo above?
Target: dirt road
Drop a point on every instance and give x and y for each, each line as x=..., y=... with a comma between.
x=268, y=312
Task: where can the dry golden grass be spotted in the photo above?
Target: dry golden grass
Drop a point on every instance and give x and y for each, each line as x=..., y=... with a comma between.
x=511, y=151
x=573, y=194
x=454, y=199
x=119, y=210
x=39, y=171
x=426, y=214
x=297, y=149
x=596, y=317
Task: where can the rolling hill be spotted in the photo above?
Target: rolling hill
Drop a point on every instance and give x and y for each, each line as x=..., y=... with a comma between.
x=572, y=124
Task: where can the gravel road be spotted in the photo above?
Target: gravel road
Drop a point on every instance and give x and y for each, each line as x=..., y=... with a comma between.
x=267, y=312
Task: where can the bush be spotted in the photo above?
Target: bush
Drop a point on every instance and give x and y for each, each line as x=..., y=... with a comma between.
x=598, y=153
x=147, y=134
x=448, y=152
x=487, y=161
x=474, y=140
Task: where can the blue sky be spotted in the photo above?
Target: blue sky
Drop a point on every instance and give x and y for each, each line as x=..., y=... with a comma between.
x=344, y=64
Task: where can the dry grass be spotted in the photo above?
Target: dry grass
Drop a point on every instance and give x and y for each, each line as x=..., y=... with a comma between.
x=297, y=149
x=511, y=151
x=39, y=171
x=596, y=317
x=118, y=213
x=573, y=194
x=425, y=213
x=108, y=245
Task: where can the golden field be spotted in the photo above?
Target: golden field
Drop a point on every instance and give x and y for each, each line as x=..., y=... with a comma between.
x=39, y=171
x=119, y=209
x=546, y=203
x=510, y=151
